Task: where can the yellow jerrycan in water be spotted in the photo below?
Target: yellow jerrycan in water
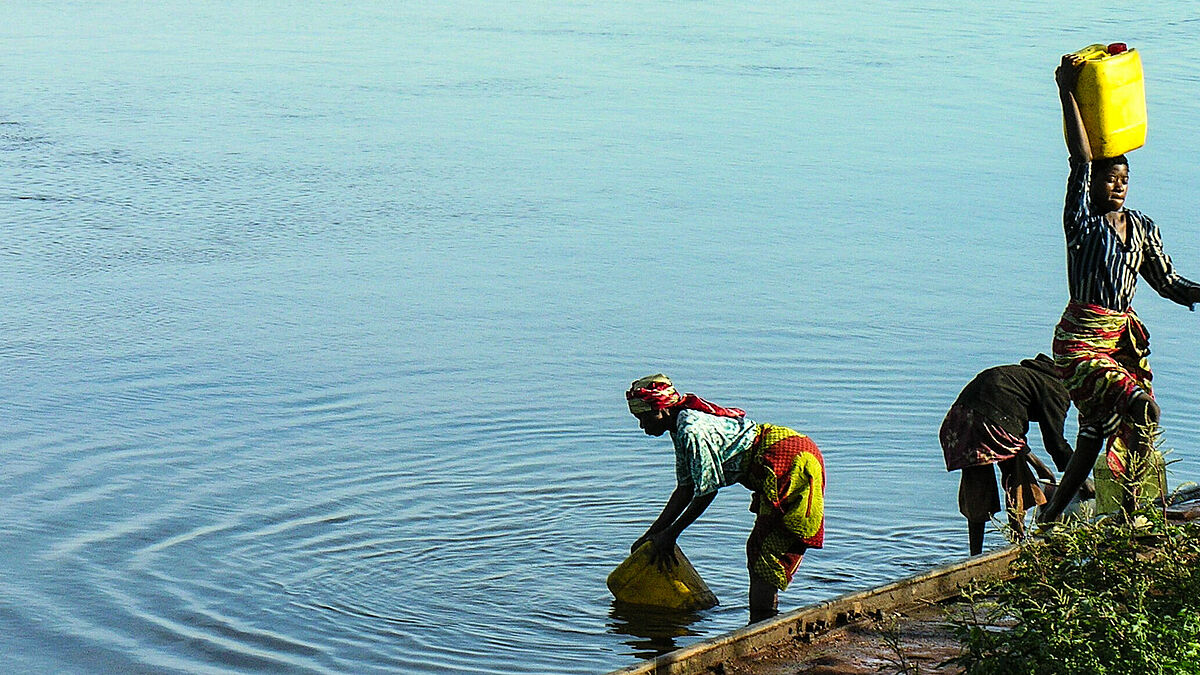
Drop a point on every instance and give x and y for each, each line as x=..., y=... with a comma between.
x=1112, y=99
x=638, y=581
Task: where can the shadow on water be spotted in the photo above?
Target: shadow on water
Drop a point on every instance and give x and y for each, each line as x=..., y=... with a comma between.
x=652, y=631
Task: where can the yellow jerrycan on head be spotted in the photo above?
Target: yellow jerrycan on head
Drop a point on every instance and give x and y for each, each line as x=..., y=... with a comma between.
x=1112, y=99
x=638, y=581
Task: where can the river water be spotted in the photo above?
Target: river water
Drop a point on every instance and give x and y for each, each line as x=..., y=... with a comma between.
x=317, y=316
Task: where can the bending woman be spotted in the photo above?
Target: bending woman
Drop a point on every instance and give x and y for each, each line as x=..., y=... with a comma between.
x=716, y=447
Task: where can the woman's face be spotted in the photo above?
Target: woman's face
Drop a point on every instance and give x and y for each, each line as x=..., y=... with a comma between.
x=1109, y=188
x=654, y=423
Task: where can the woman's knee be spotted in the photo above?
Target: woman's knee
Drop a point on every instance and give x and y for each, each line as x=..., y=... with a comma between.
x=1145, y=410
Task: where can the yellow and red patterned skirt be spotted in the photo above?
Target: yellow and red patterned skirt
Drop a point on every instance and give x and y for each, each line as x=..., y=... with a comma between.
x=1102, y=357
x=787, y=474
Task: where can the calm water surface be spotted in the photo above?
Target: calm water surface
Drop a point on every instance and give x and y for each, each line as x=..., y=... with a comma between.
x=316, y=319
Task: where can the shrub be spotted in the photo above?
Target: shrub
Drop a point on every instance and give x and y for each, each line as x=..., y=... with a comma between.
x=1103, y=598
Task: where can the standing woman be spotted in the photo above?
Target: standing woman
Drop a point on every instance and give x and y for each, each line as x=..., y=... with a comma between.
x=1100, y=345
x=716, y=447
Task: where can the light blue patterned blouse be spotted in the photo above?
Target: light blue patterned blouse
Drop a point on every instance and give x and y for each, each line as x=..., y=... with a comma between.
x=710, y=450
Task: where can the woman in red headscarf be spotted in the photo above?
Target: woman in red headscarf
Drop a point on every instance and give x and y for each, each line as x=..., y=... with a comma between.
x=716, y=447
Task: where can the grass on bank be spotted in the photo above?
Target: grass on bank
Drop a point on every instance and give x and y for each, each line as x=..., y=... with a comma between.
x=1100, y=598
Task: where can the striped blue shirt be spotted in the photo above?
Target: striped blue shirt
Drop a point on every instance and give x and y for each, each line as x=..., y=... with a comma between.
x=1103, y=270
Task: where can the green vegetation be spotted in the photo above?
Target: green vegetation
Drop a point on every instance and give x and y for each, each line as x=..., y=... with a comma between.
x=1105, y=598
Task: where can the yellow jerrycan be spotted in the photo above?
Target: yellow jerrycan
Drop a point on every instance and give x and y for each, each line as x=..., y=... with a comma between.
x=638, y=581
x=1112, y=99
x=1110, y=488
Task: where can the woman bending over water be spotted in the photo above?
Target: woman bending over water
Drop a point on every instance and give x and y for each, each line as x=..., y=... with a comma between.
x=716, y=447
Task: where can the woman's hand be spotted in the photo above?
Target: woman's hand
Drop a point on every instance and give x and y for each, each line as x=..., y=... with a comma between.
x=640, y=540
x=1087, y=490
x=1067, y=73
x=1193, y=296
x=662, y=550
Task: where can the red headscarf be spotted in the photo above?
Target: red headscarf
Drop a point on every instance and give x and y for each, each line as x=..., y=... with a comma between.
x=655, y=392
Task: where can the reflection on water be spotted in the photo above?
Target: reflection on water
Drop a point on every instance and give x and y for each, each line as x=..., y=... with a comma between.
x=651, y=631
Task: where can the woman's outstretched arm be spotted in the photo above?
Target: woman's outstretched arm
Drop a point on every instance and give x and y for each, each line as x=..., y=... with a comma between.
x=1067, y=75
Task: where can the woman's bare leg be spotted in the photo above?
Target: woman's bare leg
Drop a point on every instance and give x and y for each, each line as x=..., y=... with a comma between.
x=764, y=599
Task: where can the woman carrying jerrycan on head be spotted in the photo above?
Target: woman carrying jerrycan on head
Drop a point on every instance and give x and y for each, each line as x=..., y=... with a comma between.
x=1100, y=345
x=716, y=447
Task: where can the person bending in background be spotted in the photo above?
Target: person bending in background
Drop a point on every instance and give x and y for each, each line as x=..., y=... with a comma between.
x=988, y=424
x=1100, y=344
x=716, y=447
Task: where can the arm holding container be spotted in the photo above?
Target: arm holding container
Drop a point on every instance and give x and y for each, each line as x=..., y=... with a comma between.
x=1067, y=75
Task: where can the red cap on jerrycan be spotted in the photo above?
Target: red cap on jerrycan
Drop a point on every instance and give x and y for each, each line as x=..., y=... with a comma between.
x=1116, y=48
